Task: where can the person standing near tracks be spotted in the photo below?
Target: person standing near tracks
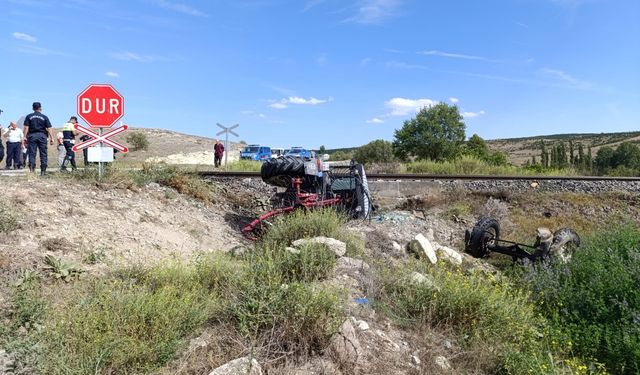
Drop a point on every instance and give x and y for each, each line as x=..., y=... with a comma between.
x=60, y=147
x=218, y=151
x=36, y=128
x=69, y=139
x=15, y=137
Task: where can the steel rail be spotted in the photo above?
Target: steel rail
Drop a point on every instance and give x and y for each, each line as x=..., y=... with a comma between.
x=420, y=176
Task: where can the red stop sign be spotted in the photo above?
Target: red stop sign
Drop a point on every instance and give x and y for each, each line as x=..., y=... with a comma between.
x=100, y=105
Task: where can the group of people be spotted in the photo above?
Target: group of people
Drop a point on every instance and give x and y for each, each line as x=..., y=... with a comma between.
x=22, y=144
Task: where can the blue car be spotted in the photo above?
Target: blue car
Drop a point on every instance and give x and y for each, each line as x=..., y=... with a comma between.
x=299, y=152
x=256, y=152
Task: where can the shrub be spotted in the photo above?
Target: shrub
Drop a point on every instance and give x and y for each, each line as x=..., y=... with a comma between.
x=483, y=310
x=305, y=224
x=138, y=141
x=593, y=303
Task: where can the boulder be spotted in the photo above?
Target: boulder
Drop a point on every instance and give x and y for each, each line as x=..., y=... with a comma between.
x=244, y=365
x=346, y=346
x=450, y=255
x=338, y=247
x=420, y=279
x=422, y=247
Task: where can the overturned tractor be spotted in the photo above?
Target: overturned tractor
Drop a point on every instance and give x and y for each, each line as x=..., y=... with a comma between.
x=313, y=184
x=485, y=239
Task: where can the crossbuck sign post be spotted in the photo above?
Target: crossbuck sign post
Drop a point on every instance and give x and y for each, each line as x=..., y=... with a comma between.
x=226, y=132
x=100, y=106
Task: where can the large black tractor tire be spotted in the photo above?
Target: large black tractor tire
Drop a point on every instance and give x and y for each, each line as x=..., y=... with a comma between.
x=279, y=171
x=565, y=241
x=486, y=232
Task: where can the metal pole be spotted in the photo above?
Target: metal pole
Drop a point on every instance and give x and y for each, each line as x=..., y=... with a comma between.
x=100, y=162
x=226, y=150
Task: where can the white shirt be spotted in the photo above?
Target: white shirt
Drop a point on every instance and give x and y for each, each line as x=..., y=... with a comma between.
x=15, y=135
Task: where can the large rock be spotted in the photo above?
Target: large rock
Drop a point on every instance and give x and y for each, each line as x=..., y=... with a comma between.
x=346, y=346
x=420, y=279
x=244, y=366
x=422, y=247
x=338, y=247
x=450, y=255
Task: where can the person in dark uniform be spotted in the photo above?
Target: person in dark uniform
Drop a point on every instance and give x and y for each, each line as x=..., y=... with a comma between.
x=36, y=128
x=68, y=140
x=85, y=151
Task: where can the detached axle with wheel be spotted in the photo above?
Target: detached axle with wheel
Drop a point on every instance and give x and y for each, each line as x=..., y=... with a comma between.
x=484, y=238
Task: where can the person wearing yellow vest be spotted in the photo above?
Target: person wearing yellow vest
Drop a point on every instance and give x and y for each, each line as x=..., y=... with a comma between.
x=68, y=140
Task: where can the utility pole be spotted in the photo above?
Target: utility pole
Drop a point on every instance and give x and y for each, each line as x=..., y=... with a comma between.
x=226, y=131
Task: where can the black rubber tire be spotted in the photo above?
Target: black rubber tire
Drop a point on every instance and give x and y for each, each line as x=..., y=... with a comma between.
x=279, y=171
x=486, y=231
x=565, y=237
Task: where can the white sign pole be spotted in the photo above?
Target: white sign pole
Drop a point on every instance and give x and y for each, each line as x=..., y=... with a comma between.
x=226, y=132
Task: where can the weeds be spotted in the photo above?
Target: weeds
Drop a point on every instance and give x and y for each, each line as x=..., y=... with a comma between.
x=245, y=166
x=8, y=221
x=473, y=166
x=61, y=269
x=593, y=303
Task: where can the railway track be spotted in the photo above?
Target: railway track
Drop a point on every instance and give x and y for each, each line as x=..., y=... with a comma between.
x=420, y=176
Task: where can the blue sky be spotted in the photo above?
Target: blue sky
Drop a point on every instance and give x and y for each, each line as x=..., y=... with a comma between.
x=329, y=72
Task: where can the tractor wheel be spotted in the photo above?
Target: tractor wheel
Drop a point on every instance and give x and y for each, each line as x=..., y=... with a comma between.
x=279, y=171
x=486, y=232
x=565, y=241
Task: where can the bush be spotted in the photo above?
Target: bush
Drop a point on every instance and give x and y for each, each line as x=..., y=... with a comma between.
x=593, y=303
x=116, y=326
x=473, y=166
x=138, y=141
x=306, y=224
x=486, y=313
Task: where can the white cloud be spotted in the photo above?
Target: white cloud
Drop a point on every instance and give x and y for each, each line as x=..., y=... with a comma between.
x=25, y=37
x=371, y=12
x=180, y=8
x=311, y=4
x=112, y=74
x=472, y=114
x=35, y=50
x=132, y=56
x=404, y=106
x=454, y=100
x=284, y=103
x=365, y=61
x=565, y=79
x=452, y=55
x=403, y=65
x=278, y=105
x=375, y=120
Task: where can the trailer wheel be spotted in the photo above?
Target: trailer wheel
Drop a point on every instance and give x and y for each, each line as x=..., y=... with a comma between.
x=486, y=232
x=565, y=241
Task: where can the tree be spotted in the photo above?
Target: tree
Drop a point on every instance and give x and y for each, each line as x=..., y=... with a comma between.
x=322, y=150
x=477, y=147
x=604, y=159
x=378, y=151
x=138, y=141
x=628, y=155
x=436, y=133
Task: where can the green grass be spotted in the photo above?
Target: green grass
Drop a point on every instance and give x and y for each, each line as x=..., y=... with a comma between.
x=472, y=166
x=245, y=166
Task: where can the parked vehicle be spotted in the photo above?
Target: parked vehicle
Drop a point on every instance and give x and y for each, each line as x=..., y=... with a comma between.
x=299, y=152
x=277, y=152
x=256, y=152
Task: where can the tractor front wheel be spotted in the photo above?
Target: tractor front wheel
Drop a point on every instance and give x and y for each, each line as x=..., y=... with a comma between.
x=486, y=232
